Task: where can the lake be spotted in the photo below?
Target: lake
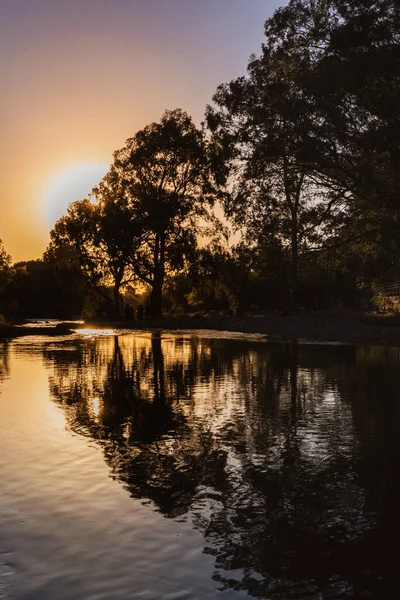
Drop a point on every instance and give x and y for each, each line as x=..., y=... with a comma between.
x=184, y=465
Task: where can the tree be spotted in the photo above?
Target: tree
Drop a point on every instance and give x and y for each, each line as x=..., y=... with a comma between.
x=103, y=234
x=5, y=270
x=172, y=174
x=45, y=288
x=351, y=75
x=120, y=231
x=278, y=193
x=74, y=297
x=74, y=237
x=216, y=279
x=313, y=129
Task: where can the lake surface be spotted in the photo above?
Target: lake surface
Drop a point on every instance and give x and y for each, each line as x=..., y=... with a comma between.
x=181, y=466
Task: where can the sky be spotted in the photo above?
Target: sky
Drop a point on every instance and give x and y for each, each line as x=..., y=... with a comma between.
x=79, y=77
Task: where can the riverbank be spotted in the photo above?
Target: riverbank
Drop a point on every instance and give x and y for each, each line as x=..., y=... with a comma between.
x=318, y=326
x=8, y=331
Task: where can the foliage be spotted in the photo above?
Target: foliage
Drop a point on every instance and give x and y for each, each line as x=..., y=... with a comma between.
x=101, y=234
x=40, y=289
x=279, y=196
x=169, y=170
x=311, y=130
x=213, y=279
x=5, y=268
x=5, y=258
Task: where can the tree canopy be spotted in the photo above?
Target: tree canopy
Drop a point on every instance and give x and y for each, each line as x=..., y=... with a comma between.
x=312, y=130
x=169, y=172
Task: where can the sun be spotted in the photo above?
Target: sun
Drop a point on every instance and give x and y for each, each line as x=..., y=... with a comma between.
x=73, y=183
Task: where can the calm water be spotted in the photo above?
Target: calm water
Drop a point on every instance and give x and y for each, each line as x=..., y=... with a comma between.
x=179, y=466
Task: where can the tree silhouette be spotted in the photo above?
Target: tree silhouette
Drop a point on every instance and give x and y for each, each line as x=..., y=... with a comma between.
x=4, y=360
x=310, y=133
x=169, y=169
x=103, y=234
x=5, y=264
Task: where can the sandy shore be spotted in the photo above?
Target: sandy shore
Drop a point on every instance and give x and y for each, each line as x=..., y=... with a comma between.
x=320, y=326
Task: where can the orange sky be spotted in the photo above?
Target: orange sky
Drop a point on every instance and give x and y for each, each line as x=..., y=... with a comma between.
x=81, y=76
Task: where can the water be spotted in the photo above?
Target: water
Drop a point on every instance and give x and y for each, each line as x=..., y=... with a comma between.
x=49, y=323
x=176, y=466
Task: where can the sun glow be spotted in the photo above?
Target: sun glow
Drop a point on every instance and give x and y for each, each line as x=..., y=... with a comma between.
x=73, y=183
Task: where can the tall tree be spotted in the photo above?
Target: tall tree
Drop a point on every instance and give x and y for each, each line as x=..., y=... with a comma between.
x=103, y=234
x=170, y=170
x=279, y=195
x=315, y=125
x=120, y=231
x=351, y=75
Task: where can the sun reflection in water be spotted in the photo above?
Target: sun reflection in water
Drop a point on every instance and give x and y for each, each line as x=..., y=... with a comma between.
x=95, y=407
x=95, y=332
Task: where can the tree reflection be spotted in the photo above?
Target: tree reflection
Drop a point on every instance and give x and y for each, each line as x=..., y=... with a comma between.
x=147, y=440
x=4, y=360
x=267, y=448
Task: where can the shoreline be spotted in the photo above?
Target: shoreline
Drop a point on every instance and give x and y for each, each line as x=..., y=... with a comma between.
x=319, y=327
x=315, y=327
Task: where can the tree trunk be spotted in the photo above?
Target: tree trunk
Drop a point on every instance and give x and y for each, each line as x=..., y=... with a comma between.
x=293, y=382
x=293, y=202
x=117, y=305
x=158, y=277
x=294, y=276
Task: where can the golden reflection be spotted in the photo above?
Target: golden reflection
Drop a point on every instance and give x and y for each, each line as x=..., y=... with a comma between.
x=95, y=407
x=95, y=332
x=141, y=384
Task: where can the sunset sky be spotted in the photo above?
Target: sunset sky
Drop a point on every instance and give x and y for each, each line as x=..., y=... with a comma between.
x=81, y=76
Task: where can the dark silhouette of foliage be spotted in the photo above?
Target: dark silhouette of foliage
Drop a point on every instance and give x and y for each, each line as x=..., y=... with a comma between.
x=279, y=198
x=102, y=234
x=5, y=264
x=311, y=131
x=170, y=170
x=48, y=288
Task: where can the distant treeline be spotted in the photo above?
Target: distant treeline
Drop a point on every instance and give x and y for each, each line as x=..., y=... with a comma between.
x=303, y=155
